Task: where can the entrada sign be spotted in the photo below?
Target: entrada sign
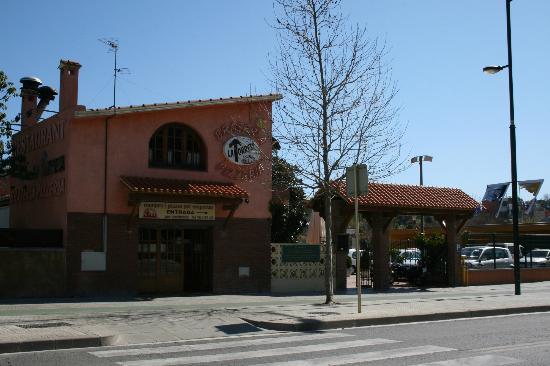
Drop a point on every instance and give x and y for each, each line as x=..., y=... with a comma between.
x=241, y=150
x=176, y=210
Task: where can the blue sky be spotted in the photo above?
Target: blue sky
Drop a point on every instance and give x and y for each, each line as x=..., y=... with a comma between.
x=179, y=50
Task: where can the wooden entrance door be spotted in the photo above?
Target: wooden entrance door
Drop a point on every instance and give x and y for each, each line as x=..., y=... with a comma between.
x=160, y=260
x=198, y=260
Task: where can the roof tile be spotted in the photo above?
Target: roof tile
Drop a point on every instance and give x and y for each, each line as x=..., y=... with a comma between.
x=182, y=187
x=408, y=196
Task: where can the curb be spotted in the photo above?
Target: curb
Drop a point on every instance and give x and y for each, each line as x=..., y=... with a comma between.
x=56, y=344
x=318, y=324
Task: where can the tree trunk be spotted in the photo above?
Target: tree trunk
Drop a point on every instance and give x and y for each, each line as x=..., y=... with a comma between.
x=329, y=258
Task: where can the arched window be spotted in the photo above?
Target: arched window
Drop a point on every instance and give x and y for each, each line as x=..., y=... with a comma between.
x=176, y=146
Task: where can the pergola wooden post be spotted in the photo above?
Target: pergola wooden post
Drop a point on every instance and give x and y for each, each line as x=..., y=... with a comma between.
x=380, y=225
x=452, y=224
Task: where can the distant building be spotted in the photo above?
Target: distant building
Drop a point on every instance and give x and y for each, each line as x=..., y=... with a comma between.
x=158, y=198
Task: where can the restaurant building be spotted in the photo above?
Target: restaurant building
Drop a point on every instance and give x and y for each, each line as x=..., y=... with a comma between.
x=159, y=198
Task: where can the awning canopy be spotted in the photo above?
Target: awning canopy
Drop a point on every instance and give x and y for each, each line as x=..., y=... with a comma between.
x=182, y=187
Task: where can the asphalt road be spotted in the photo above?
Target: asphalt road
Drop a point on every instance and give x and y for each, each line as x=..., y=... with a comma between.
x=506, y=340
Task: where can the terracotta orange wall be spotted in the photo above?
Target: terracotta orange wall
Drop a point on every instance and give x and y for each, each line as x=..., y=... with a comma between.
x=42, y=213
x=480, y=277
x=129, y=137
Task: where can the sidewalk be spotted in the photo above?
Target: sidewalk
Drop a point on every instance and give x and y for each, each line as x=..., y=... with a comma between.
x=91, y=322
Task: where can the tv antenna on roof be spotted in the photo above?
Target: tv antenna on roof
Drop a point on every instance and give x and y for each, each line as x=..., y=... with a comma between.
x=112, y=43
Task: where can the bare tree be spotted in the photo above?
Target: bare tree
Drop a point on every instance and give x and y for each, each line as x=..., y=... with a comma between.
x=338, y=101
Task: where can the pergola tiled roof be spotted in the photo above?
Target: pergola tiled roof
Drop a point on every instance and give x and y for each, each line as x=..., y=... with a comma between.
x=182, y=187
x=410, y=198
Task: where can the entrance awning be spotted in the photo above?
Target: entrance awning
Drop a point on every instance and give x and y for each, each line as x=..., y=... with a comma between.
x=183, y=188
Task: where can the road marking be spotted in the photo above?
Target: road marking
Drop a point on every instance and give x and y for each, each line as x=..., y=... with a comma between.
x=362, y=357
x=452, y=320
x=486, y=360
x=512, y=347
x=218, y=345
x=258, y=353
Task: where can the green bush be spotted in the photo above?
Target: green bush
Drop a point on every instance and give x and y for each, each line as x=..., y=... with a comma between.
x=348, y=262
x=434, y=252
x=395, y=257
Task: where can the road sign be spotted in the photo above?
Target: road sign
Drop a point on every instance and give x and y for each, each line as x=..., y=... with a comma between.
x=357, y=181
x=362, y=177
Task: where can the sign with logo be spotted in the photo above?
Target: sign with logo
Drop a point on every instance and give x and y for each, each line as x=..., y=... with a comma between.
x=176, y=211
x=241, y=150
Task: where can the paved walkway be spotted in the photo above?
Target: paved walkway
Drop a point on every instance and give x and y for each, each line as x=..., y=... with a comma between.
x=71, y=323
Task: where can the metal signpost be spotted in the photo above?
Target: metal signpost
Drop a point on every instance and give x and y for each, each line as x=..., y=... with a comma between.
x=357, y=179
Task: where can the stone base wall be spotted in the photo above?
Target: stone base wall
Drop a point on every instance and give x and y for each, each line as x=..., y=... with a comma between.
x=32, y=273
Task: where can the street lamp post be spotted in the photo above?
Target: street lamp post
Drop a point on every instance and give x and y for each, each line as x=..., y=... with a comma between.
x=515, y=223
x=420, y=159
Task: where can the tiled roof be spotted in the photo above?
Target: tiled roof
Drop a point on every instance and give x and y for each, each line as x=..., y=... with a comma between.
x=184, y=188
x=411, y=197
x=178, y=105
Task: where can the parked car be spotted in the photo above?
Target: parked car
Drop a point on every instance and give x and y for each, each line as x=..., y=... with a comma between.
x=409, y=257
x=352, y=254
x=466, y=252
x=407, y=264
x=538, y=257
x=510, y=247
x=487, y=257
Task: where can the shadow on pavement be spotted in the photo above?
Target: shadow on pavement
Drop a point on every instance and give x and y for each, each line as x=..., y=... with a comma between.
x=238, y=328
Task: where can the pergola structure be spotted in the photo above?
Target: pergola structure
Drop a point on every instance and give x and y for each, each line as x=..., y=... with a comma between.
x=451, y=207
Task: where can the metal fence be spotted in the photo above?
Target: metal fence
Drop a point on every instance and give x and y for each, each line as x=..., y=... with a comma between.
x=410, y=262
x=419, y=262
x=367, y=266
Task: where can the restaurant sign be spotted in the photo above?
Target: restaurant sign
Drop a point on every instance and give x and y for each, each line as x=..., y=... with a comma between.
x=176, y=211
x=242, y=150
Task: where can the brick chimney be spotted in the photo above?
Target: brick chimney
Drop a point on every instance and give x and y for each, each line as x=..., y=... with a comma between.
x=29, y=94
x=68, y=84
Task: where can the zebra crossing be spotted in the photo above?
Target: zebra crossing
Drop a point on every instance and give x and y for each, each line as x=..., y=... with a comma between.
x=306, y=349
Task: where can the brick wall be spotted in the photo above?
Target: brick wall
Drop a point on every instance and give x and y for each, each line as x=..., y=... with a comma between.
x=35, y=272
x=84, y=232
x=243, y=243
